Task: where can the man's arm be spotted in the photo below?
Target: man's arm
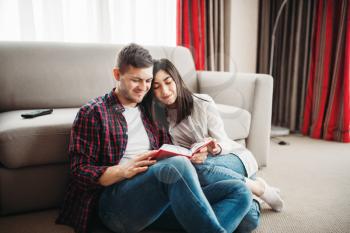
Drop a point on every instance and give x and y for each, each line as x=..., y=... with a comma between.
x=84, y=149
x=127, y=170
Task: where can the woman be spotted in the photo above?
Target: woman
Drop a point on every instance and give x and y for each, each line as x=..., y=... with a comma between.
x=191, y=118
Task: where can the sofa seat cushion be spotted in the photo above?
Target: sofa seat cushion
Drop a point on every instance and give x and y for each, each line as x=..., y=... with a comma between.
x=32, y=188
x=37, y=141
x=44, y=140
x=236, y=121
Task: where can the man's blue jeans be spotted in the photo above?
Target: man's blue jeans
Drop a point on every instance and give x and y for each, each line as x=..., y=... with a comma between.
x=172, y=185
x=224, y=167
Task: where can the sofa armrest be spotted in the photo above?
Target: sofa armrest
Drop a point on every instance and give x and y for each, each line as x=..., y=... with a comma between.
x=252, y=92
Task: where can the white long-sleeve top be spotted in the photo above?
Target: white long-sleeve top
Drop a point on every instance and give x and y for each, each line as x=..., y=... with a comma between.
x=204, y=122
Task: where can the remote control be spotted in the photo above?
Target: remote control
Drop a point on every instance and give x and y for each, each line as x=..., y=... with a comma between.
x=37, y=113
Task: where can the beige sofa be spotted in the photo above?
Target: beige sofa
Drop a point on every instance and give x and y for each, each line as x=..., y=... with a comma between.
x=63, y=76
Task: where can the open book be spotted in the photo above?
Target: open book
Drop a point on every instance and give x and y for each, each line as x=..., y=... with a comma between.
x=167, y=150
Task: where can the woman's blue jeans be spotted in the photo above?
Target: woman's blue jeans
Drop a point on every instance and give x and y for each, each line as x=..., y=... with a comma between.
x=224, y=167
x=172, y=186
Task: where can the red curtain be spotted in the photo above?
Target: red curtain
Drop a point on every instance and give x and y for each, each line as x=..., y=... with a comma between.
x=327, y=106
x=191, y=29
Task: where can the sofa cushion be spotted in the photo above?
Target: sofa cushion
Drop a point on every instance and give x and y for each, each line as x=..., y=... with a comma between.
x=32, y=188
x=36, y=141
x=236, y=121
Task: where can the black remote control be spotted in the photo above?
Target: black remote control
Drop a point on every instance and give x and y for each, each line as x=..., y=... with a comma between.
x=37, y=113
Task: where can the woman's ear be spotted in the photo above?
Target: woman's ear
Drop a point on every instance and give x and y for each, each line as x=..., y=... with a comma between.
x=116, y=74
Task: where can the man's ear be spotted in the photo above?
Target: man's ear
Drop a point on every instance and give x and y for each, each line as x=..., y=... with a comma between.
x=116, y=74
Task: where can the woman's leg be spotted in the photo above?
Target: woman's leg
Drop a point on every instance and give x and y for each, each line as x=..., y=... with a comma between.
x=209, y=173
x=258, y=186
x=229, y=161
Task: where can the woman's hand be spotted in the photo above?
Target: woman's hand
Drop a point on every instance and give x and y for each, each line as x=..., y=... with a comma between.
x=200, y=156
x=214, y=148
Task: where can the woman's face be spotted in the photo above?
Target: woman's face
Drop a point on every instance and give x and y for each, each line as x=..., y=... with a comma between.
x=164, y=88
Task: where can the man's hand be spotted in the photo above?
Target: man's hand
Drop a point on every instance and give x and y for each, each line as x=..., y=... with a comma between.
x=214, y=148
x=127, y=170
x=138, y=164
x=200, y=156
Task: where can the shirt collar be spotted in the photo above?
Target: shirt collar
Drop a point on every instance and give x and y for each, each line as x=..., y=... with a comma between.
x=112, y=100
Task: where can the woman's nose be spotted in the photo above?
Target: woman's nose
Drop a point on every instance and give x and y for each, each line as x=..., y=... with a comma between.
x=164, y=90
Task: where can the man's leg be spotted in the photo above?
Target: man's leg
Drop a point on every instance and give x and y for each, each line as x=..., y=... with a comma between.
x=230, y=200
x=251, y=220
x=224, y=167
x=132, y=205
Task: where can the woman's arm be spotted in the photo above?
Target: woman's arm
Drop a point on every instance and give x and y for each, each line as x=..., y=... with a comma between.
x=217, y=131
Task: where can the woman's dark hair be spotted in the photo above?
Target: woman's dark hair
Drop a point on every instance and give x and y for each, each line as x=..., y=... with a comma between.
x=184, y=100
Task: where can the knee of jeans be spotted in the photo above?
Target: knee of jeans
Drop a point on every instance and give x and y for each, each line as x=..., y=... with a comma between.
x=182, y=164
x=169, y=172
x=179, y=161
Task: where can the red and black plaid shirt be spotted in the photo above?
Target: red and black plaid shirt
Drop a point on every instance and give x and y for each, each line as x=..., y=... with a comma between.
x=98, y=140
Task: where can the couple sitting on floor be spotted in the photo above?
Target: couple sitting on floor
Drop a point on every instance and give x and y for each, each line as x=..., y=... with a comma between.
x=114, y=172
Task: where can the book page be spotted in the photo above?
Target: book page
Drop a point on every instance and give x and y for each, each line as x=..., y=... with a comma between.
x=199, y=145
x=176, y=149
x=167, y=150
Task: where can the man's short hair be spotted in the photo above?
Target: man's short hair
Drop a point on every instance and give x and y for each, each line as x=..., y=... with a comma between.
x=133, y=55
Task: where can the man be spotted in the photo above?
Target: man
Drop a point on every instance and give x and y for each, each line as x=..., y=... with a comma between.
x=112, y=170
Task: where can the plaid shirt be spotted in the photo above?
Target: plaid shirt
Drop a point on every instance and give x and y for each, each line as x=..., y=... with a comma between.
x=98, y=140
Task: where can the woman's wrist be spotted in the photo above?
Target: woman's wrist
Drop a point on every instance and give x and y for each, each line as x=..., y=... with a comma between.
x=219, y=152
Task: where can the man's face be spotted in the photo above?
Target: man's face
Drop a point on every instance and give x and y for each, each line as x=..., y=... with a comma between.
x=133, y=84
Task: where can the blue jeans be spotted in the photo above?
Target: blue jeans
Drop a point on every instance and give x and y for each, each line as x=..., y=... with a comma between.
x=229, y=166
x=172, y=185
x=250, y=221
